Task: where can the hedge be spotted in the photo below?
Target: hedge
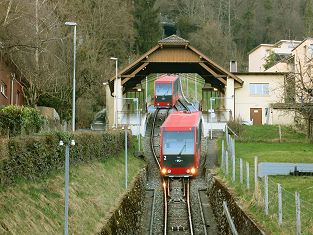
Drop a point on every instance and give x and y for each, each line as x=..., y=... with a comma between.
x=16, y=120
x=29, y=157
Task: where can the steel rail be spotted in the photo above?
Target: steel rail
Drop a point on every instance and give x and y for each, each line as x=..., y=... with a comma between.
x=189, y=207
x=165, y=206
x=152, y=137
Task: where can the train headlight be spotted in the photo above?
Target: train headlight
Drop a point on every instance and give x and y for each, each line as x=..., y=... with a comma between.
x=168, y=104
x=158, y=103
x=188, y=171
x=169, y=171
x=193, y=170
x=163, y=171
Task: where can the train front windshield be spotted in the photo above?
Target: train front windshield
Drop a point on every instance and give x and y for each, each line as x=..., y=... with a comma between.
x=178, y=148
x=163, y=92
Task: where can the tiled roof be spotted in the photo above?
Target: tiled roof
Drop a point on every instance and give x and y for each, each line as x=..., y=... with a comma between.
x=174, y=40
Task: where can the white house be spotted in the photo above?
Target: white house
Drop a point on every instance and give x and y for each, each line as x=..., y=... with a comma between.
x=255, y=99
x=258, y=55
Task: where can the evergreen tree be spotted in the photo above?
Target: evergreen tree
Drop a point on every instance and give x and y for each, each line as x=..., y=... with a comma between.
x=308, y=18
x=147, y=25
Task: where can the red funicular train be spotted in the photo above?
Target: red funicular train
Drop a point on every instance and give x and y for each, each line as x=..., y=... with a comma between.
x=181, y=144
x=166, y=91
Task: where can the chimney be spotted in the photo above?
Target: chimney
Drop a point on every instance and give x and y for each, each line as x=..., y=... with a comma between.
x=233, y=66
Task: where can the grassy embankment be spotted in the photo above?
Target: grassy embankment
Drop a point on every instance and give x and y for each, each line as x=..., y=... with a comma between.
x=37, y=207
x=263, y=142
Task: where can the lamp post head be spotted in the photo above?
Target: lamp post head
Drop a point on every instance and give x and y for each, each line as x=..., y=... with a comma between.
x=70, y=23
x=113, y=58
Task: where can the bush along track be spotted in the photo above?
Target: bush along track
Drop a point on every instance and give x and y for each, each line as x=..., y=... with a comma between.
x=28, y=157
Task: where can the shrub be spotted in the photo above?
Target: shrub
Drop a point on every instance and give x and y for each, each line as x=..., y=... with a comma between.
x=236, y=126
x=36, y=156
x=18, y=119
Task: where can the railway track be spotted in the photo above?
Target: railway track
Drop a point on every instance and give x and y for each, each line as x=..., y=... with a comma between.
x=177, y=207
x=158, y=118
x=178, y=198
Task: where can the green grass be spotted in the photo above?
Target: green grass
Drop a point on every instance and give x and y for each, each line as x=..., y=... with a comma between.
x=270, y=134
x=275, y=152
x=37, y=207
x=262, y=141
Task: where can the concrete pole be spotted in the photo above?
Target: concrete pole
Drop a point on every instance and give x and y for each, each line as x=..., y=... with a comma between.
x=146, y=90
x=67, y=170
x=126, y=163
x=74, y=82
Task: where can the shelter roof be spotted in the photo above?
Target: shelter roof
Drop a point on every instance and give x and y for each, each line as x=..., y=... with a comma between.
x=173, y=55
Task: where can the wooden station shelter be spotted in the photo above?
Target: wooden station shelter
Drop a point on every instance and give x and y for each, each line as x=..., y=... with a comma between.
x=171, y=55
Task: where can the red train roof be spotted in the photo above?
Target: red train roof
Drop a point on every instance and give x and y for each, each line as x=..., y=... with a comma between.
x=181, y=121
x=167, y=78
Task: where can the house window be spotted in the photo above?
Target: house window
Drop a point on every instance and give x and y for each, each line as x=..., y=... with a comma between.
x=3, y=88
x=259, y=89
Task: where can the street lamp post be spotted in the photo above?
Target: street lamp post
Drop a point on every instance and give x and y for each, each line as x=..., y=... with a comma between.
x=137, y=117
x=74, y=71
x=138, y=134
x=211, y=111
x=115, y=91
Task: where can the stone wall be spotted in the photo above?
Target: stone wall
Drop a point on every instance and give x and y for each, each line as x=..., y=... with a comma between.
x=126, y=217
x=218, y=193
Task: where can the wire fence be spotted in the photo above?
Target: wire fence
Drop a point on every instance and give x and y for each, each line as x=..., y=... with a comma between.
x=268, y=198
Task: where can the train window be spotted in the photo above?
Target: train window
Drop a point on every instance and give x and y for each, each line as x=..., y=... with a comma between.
x=178, y=142
x=163, y=89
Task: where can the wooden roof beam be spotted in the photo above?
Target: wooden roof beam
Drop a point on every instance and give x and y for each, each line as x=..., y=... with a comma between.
x=218, y=76
x=133, y=74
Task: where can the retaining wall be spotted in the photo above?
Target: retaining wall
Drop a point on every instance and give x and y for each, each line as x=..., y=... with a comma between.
x=125, y=219
x=218, y=193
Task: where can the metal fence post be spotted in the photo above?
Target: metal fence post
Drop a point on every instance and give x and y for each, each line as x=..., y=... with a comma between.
x=234, y=167
x=248, y=175
x=223, y=156
x=234, y=151
x=255, y=174
x=226, y=162
x=226, y=134
x=266, y=194
x=241, y=175
x=280, y=205
x=298, y=223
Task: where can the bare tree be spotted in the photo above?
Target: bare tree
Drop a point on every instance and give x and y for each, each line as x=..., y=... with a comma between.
x=31, y=37
x=299, y=95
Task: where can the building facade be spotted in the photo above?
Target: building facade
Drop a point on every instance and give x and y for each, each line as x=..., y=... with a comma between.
x=255, y=100
x=11, y=88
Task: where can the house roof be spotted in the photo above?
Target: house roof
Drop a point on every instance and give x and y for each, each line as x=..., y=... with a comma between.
x=260, y=45
x=302, y=43
x=276, y=44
